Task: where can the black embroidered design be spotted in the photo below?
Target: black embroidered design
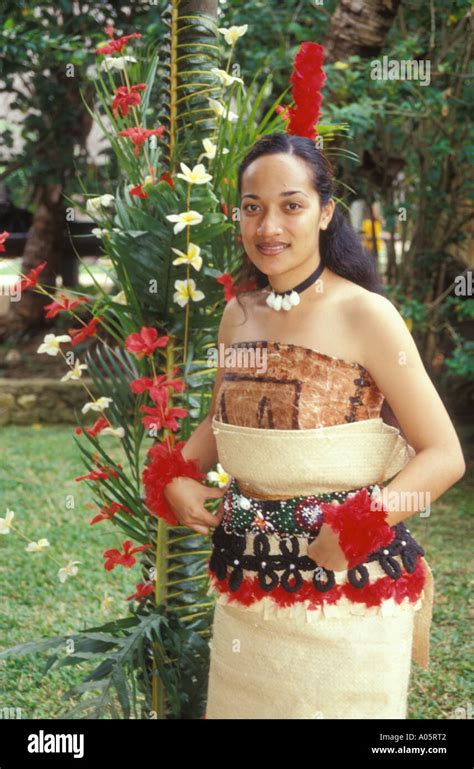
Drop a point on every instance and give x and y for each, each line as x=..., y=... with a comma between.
x=229, y=561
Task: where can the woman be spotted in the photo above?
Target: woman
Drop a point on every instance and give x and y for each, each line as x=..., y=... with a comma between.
x=322, y=595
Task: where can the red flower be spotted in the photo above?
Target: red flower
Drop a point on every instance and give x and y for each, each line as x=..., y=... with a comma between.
x=98, y=425
x=79, y=334
x=165, y=464
x=230, y=290
x=166, y=177
x=58, y=306
x=145, y=342
x=115, y=46
x=158, y=418
x=143, y=589
x=3, y=236
x=30, y=280
x=116, y=558
x=226, y=280
x=138, y=191
x=307, y=79
x=127, y=97
x=225, y=209
x=140, y=135
x=108, y=511
x=102, y=473
x=157, y=385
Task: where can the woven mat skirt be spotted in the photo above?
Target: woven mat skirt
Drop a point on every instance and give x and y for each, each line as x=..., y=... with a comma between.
x=354, y=667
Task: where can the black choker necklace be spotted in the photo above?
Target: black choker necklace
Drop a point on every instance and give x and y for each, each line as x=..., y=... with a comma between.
x=285, y=300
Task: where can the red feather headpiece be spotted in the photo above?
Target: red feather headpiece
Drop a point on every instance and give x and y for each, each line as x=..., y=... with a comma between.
x=307, y=79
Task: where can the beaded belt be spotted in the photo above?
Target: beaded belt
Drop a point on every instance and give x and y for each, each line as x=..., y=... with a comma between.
x=281, y=517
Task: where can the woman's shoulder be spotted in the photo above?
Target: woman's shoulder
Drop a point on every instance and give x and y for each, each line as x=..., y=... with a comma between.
x=371, y=306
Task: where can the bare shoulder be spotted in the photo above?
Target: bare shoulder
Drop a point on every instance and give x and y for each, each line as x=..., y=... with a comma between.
x=382, y=330
x=236, y=312
x=370, y=311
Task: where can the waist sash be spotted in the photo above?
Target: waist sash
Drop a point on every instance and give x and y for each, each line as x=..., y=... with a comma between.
x=311, y=461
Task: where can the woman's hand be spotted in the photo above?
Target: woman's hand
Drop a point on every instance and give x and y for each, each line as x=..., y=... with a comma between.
x=325, y=550
x=186, y=498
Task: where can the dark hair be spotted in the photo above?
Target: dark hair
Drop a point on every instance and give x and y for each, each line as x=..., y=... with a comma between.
x=339, y=246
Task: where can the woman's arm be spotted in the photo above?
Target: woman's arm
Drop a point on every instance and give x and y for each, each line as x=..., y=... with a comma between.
x=394, y=362
x=186, y=497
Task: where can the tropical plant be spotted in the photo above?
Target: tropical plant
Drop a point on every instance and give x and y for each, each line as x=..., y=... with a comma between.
x=158, y=222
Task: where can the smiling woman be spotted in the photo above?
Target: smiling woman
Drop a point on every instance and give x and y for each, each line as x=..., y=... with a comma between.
x=323, y=597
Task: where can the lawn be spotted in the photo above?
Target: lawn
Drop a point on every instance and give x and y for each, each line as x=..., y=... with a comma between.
x=38, y=466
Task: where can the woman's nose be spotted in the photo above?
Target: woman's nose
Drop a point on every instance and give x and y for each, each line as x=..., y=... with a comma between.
x=269, y=225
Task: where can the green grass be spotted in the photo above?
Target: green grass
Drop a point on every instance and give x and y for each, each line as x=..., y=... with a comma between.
x=446, y=536
x=37, y=471
x=38, y=467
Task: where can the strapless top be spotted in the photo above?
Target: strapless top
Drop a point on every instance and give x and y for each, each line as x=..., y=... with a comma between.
x=278, y=385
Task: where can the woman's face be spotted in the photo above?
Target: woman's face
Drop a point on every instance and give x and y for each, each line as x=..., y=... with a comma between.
x=280, y=214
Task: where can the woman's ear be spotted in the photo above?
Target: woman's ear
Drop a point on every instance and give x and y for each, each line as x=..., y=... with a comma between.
x=327, y=214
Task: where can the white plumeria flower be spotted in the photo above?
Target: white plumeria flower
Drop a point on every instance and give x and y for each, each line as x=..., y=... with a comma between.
x=211, y=149
x=117, y=62
x=221, y=477
x=94, y=205
x=198, y=175
x=119, y=298
x=231, y=116
x=99, y=405
x=185, y=219
x=104, y=233
x=192, y=257
x=6, y=523
x=37, y=547
x=119, y=432
x=232, y=34
x=218, y=108
x=221, y=111
x=51, y=342
x=74, y=373
x=68, y=571
x=186, y=290
x=225, y=78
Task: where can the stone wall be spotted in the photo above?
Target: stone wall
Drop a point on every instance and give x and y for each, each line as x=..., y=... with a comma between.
x=24, y=401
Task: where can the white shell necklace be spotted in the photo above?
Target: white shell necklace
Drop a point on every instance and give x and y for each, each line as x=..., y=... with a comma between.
x=285, y=300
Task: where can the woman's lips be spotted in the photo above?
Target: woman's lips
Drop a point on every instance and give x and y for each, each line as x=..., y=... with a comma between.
x=271, y=250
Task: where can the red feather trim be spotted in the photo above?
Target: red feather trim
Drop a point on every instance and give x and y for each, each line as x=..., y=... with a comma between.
x=166, y=464
x=407, y=586
x=361, y=529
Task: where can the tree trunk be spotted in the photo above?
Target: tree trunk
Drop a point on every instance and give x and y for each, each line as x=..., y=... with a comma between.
x=44, y=243
x=48, y=229
x=359, y=27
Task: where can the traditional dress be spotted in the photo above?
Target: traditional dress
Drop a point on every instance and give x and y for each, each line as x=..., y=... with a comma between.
x=295, y=427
